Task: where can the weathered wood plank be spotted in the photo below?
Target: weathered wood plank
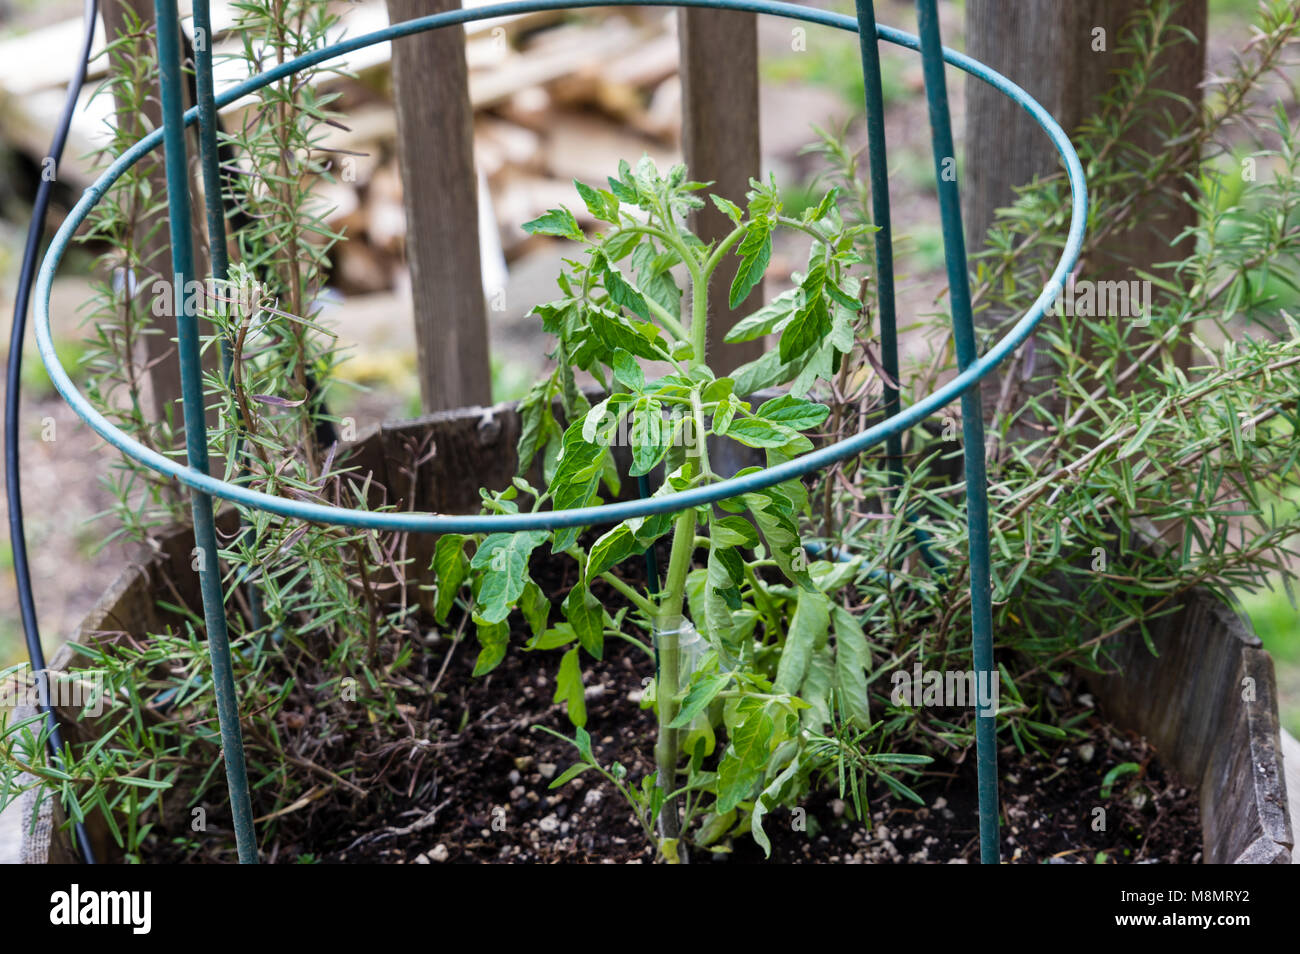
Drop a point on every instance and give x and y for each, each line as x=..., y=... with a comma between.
x=440, y=192
x=720, y=140
x=1208, y=703
x=1005, y=148
x=155, y=250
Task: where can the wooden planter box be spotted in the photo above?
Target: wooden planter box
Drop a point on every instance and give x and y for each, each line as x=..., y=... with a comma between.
x=1208, y=703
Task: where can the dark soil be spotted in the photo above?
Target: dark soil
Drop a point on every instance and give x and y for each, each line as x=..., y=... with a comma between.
x=470, y=783
x=493, y=803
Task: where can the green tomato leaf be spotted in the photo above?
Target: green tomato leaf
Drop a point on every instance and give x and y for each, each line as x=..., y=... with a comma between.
x=561, y=634
x=450, y=567
x=757, y=432
x=745, y=757
x=793, y=412
x=648, y=445
x=732, y=531
x=763, y=372
x=774, y=514
x=587, y=617
x=773, y=794
x=700, y=694
x=627, y=372
x=504, y=559
x=767, y=320
x=559, y=222
x=570, y=773
x=810, y=325
x=622, y=293
x=727, y=208
x=601, y=204
x=616, y=332
x=537, y=423
x=535, y=607
x=809, y=625
x=569, y=690
x=724, y=415
x=755, y=252
x=852, y=660
x=493, y=638
x=578, y=470
x=612, y=548
x=721, y=596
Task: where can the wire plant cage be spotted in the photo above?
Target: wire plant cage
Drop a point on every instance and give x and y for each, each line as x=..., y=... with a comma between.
x=972, y=366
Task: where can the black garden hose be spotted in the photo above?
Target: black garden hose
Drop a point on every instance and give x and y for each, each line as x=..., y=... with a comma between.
x=13, y=383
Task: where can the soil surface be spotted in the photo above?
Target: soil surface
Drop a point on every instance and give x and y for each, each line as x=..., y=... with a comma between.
x=471, y=783
x=493, y=802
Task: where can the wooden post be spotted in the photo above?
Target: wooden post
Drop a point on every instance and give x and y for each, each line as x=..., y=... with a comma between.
x=1049, y=48
x=719, y=70
x=435, y=145
x=1063, y=54
x=154, y=248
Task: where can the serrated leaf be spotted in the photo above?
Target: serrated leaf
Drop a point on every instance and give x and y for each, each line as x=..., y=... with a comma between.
x=627, y=372
x=587, y=617
x=772, y=792
x=648, y=445
x=615, y=332
x=561, y=634
x=612, y=548
x=774, y=516
x=793, y=412
x=493, y=638
x=745, y=758
x=450, y=567
x=757, y=432
x=724, y=415
x=623, y=191
x=504, y=559
x=535, y=607
x=601, y=204
x=809, y=326
x=732, y=531
x=559, y=222
x=536, y=423
x=623, y=294
x=727, y=208
x=766, y=320
x=698, y=696
x=578, y=470
x=823, y=208
x=720, y=584
x=755, y=253
x=808, y=625
x=763, y=372
x=569, y=689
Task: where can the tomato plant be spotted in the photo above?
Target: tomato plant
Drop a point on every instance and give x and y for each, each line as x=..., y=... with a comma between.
x=749, y=643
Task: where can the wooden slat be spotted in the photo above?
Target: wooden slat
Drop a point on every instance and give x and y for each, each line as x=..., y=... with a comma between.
x=720, y=139
x=1006, y=148
x=155, y=250
x=436, y=156
x=1208, y=703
